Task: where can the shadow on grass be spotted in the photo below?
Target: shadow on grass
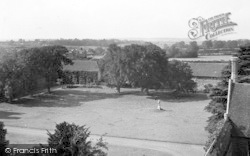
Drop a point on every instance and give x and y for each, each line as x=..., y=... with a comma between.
x=8, y=115
x=170, y=97
x=63, y=98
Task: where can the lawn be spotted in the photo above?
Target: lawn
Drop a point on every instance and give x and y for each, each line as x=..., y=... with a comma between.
x=129, y=115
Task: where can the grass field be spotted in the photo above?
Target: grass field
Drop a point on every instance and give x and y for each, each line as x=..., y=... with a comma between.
x=129, y=115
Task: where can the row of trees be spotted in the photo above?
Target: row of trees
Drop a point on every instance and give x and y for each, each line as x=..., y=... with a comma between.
x=145, y=66
x=182, y=50
x=217, y=44
x=21, y=71
x=218, y=94
x=72, y=42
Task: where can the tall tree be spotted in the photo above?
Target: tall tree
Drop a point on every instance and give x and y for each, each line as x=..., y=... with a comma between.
x=114, y=67
x=147, y=66
x=13, y=76
x=48, y=62
x=181, y=77
x=192, y=50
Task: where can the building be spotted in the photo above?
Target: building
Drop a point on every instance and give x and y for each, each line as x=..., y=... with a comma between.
x=234, y=137
x=82, y=72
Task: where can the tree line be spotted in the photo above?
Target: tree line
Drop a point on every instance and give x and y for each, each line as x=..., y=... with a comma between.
x=72, y=42
x=21, y=71
x=182, y=50
x=147, y=67
x=230, y=44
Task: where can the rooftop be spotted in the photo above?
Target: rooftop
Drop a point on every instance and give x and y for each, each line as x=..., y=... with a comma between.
x=240, y=108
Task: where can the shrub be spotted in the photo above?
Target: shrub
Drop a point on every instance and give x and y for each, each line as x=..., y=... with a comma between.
x=207, y=88
x=3, y=142
x=70, y=139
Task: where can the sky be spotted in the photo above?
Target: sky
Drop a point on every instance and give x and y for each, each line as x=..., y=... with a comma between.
x=99, y=19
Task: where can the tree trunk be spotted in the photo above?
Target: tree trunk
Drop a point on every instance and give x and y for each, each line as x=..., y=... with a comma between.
x=146, y=90
x=118, y=88
x=48, y=88
x=142, y=89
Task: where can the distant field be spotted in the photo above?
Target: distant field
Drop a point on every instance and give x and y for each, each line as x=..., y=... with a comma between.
x=206, y=58
x=205, y=69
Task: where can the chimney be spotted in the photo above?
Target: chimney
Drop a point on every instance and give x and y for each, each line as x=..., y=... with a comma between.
x=234, y=71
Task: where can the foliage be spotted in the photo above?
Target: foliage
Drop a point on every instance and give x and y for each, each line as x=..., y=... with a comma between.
x=181, y=77
x=147, y=67
x=244, y=64
x=47, y=62
x=21, y=70
x=218, y=94
x=182, y=50
x=114, y=67
x=207, y=44
x=3, y=142
x=142, y=66
x=70, y=139
x=15, y=72
x=207, y=88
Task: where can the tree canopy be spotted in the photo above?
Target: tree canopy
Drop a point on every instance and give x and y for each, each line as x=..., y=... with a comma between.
x=182, y=50
x=145, y=66
x=21, y=70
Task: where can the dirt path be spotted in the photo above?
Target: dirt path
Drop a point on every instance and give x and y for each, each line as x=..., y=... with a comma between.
x=166, y=148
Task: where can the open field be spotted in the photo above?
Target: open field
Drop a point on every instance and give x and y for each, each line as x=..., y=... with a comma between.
x=130, y=115
x=207, y=69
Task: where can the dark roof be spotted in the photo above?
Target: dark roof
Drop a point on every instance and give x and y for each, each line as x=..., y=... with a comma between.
x=207, y=69
x=82, y=65
x=240, y=108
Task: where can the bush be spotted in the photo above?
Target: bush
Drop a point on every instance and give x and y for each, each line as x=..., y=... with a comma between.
x=70, y=139
x=3, y=142
x=207, y=88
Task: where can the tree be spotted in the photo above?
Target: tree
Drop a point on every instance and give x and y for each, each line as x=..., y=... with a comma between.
x=114, y=67
x=192, y=50
x=153, y=68
x=231, y=44
x=13, y=75
x=173, y=51
x=218, y=94
x=3, y=142
x=70, y=139
x=218, y=44
x=48, y=62
x=147, y=66
x=181, y=77
x=244, y=64
x=182, y=50
x=207, y=44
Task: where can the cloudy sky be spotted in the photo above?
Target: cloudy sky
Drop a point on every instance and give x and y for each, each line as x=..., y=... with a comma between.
x=97, y=19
